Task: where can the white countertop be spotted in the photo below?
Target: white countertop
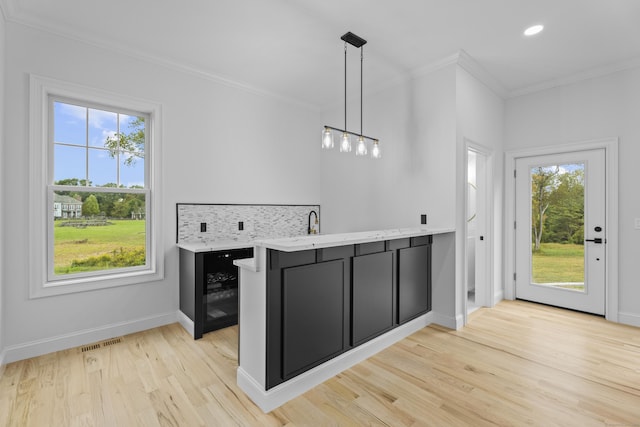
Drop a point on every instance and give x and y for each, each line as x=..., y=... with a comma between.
x=220, y=245
x=300, y=243
x=314, y=241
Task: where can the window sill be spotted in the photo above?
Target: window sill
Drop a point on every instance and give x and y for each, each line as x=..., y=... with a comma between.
x=62, y=287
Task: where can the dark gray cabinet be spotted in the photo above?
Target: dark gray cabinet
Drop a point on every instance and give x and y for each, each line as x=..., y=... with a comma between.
x=323, y=302
x=312, y=315
x=372, y=290
x=414, y=282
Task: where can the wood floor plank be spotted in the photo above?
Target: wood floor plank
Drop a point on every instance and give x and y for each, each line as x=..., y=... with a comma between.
x=515, y=364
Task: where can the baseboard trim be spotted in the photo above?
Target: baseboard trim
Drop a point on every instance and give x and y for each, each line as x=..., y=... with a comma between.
x=3, y=365
x=498, y=296
x=448, y=321
x=279, y=395
x=629, y=319
x=87, y=336
x=185, y=322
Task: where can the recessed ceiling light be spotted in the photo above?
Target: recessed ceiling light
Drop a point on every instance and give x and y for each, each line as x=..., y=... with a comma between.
x=533, y=30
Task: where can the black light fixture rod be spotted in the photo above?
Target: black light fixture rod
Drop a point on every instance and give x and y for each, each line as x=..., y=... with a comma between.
x=345, y=84
x=361, y=58
x=350, y=133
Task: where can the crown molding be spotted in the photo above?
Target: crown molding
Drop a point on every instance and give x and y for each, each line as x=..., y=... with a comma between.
x=576, y=78
x=14, y=15
x=405, y=77
x=415, y=73
x=479, y=72
x=11, y=12
x=460, y=58
x=435, y=65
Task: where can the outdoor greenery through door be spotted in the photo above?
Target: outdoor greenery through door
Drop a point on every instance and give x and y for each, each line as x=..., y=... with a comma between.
x=557, y=224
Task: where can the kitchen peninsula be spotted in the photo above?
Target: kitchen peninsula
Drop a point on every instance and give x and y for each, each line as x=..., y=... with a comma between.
x=312, y=306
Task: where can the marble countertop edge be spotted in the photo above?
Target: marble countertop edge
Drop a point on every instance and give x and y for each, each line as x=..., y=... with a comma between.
x=314, y=241
x=218, y=245
x=299, y=243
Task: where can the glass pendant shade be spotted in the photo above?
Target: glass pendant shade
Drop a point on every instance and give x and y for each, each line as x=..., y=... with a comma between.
x=361, y=149
x=345, y=143
x=375, y=151
x=327, y=138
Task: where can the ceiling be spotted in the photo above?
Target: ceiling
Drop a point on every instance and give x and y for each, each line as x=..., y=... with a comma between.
x=292, y=48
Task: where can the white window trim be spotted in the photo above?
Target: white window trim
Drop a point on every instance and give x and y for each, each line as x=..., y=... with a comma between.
x=41, y=88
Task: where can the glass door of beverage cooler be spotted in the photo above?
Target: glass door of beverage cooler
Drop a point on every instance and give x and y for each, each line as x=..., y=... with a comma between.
x=220, y=299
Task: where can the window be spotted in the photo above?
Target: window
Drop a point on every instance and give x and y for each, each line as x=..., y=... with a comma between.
x=99, y=172
x=96, y=212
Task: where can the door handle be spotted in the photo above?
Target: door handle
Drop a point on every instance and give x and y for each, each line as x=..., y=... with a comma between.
x=596, y=240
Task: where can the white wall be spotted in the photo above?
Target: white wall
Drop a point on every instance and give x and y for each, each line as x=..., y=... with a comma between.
x=480, y=120
x=415, y=123
x=598, y=108
x=221, y=145
x=2, y=199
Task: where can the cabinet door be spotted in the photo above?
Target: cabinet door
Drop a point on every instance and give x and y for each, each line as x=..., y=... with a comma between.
x=372, y=296
x=312, y=315
x=414, y=282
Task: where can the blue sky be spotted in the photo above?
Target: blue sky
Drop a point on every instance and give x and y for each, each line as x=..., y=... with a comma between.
x=571, y=167
x=79, y=137
x=564, y=168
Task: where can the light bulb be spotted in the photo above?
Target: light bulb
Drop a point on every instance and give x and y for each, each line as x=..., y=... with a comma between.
x=327, y=138
x=533, y=30
x=361, y=150
x=375, y=151
x=345, y=143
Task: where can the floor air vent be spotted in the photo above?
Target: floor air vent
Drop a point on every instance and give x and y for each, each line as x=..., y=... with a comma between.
x=112, y=342
x=100, y=345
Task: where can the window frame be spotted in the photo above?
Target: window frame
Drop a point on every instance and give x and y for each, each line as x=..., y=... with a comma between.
x=43, y=92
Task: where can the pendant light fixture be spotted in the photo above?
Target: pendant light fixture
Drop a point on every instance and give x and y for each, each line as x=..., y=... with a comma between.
x=346, y=136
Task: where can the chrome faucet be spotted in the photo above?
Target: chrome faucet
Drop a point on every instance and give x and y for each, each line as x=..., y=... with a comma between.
x=311, y=229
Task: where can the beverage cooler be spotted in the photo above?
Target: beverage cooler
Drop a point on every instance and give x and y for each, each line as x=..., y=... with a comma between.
x=209, y=288
x=220, y=288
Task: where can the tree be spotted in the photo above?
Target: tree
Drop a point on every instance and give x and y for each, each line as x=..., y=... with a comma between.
x=543, y=182
x=565, y=216
x=131, y=144
x=107, y=200
x=73, y=181
x=90, y=206
x=129, y=203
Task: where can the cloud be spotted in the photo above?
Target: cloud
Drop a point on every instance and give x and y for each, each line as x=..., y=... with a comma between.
x=103, y=120
x=98, y=119
x=73, y=111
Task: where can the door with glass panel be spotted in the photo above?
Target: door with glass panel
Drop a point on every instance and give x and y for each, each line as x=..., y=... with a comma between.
x=560, y=230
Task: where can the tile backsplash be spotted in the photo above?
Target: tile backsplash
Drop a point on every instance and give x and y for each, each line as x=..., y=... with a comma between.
x=259, y=221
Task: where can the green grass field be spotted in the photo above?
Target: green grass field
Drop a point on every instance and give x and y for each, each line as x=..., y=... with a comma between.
x=73, y=243
x=556, y=262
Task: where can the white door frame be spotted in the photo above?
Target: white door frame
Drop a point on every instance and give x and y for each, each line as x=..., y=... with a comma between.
x=610, y=145
x=488, y=294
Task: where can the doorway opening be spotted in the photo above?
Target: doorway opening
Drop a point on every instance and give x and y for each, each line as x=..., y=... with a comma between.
x=478, y=244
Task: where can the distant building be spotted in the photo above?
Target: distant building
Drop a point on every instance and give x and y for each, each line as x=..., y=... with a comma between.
x=140, y=214
x=66, y=207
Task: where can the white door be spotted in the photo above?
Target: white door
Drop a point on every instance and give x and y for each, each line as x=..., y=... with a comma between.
x=560, y=235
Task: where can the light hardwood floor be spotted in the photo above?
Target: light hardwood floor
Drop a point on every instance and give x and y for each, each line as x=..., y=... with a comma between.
x=516, y=364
